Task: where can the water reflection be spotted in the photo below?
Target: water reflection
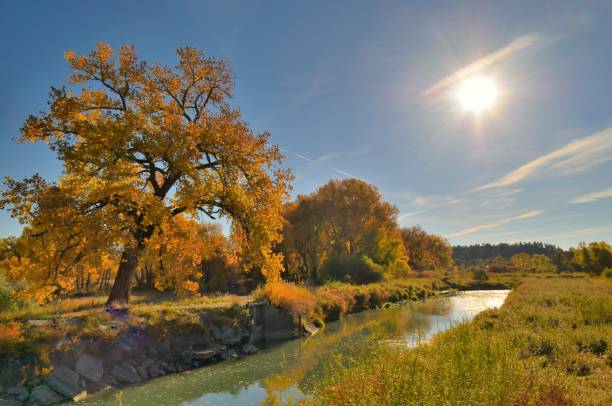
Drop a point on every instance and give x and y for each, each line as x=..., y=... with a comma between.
x=292, y=368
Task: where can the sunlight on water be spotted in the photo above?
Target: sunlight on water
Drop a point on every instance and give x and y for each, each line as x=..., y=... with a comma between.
x=291, y=368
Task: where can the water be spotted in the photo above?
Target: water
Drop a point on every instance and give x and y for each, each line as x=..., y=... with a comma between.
x=290, y=369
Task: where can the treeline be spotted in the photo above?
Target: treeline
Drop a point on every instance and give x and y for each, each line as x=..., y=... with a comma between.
x=343, y=231
x=465, y=254
x=594, y=258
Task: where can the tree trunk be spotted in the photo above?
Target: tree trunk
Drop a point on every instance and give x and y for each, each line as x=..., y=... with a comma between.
x=120, y=293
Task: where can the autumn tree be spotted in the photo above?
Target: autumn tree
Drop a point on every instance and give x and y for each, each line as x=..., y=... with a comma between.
x=426, y=251
x=59, y=242
x=342, y=219
x=592, y=258
x=173, y=257
x=521, y=260
x=143, y=143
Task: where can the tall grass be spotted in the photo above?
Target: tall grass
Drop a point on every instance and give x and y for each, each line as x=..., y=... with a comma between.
x=548, y=345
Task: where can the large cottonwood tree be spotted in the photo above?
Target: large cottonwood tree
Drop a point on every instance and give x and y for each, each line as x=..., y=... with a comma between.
x=143, y=143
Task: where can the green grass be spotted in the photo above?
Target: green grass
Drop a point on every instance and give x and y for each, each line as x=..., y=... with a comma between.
x=549, y=344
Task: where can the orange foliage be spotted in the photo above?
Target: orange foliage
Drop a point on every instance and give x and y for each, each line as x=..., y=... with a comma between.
x=296, y=300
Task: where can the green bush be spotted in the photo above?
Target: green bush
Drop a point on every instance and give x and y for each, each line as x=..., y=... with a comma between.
x=353, y=269
x=8, y=298
x=480, y=274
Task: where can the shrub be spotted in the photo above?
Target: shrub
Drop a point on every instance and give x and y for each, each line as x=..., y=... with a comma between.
x=8, y=297
x=296, y=300
x=480, y=274
x=353, y=269
x=499, y=268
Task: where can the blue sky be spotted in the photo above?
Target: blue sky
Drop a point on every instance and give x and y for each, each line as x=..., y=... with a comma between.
x=368, y=89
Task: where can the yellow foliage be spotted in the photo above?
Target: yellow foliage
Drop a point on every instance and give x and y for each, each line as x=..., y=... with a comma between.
x=296, y=300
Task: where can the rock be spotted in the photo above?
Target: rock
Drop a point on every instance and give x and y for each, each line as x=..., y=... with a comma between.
x=147, y=363
x=40, y=323
x=198, y=357
x=309, y=329
x=44, y=395
x=126, y=373
x=155, y=371
x=23, y=396
x=65, y=381
x=96, y=387
x=167, y=367
x=249, y=349
x=216, y=333
x=17, y=391
x=9, y=402
x=90, y=367
x=142, y=371
x=232, y=353
x=110, y=380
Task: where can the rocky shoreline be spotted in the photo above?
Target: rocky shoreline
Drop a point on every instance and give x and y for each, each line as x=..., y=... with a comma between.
x=83, y=366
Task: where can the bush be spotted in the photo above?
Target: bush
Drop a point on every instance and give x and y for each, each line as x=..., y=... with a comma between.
x=296, y=300
x=353, y=269
x=480, y=274
x=499, y=268
x=8, y=297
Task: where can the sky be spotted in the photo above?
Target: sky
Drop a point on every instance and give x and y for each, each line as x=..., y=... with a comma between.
x=368, y=89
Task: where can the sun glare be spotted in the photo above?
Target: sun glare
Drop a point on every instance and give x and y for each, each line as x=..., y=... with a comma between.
x=477, y=94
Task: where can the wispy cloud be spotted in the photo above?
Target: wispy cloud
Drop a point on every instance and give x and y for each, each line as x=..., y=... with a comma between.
x=330, y=156
x=335, y=155
x=581, y=232
x=428, y=201
x=577, y=156
x=592, y=197
x=496, y=224
x=518, y=44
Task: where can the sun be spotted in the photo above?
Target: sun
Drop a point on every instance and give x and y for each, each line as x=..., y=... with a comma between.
x=477, y=94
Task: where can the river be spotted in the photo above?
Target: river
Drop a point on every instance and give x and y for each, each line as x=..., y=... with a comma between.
x=290, y=369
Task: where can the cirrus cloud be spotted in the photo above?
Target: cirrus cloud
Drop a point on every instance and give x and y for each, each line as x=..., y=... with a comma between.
x=577, y=156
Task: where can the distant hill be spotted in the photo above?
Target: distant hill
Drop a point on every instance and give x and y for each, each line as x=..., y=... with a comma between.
x=472, y=253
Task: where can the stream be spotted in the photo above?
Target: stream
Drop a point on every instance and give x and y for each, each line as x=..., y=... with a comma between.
x=290, y=369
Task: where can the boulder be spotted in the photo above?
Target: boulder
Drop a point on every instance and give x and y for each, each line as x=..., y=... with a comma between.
x=142, y=371
x=44, y=395
x=17, y=391
x=147, y=363
x=155, y=371
x=65, y=381
x=198, y=357
x=249, y=349
x=126, y=373
x=89, y=367
x=96, y=387
x=9, y=402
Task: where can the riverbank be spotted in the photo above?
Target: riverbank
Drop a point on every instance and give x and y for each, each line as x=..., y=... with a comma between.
x=76, y=348
x=547, y=345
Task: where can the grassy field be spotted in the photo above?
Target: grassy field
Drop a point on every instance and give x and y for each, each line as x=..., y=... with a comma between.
x=547, y=345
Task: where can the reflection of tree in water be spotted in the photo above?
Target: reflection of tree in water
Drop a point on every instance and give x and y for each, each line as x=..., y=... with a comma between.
x=342, y=342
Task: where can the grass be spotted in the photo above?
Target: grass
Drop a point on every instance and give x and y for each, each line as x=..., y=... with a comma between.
x=549, y=344
x=23, y=336
x=74, y=307
x=332, y=301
